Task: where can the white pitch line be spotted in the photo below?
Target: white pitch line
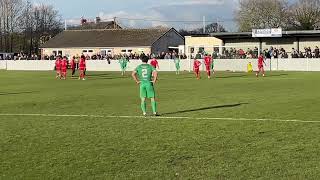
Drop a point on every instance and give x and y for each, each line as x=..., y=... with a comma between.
x=165, y=117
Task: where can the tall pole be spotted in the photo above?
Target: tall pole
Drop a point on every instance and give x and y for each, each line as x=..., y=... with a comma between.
x=114, y=22
x=204, y=24
x=65, y=24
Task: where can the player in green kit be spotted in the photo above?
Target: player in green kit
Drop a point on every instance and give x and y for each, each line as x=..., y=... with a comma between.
x=123, y=61
x=146, y=76
x=212, y=65
x=177, y=63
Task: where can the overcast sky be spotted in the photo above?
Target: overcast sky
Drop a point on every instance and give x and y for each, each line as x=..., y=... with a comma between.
x=181, y=10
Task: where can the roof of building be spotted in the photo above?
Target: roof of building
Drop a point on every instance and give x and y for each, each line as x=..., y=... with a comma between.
x=106, y=38
x=239, y=35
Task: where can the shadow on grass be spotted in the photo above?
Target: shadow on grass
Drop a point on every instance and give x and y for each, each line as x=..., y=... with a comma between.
x=277, y=75
x=16, y=93
x=106, y=77
x=215, y=77
x=100, y=75
x=226, y=77
x=205, y=108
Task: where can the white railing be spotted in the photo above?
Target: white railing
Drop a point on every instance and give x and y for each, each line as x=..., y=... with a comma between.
x=168, y=65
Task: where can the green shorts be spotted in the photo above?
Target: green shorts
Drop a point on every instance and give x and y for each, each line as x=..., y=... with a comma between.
x=123, y=67
x=147, y=90
x=178, y=66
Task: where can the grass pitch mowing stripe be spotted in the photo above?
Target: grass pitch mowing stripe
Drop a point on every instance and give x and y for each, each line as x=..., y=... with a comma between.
x=165, y=117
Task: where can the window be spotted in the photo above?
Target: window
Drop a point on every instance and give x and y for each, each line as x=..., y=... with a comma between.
x=60, y=53
x=126, y=51
x=87, y=51
x=106, y=51
x=54, y=53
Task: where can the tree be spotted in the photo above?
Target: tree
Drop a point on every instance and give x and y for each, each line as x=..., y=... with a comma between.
x=10, y=11
x=39, y=23
x=261, y=14
x=305, y=14
x=24, y=26
x=210, y=28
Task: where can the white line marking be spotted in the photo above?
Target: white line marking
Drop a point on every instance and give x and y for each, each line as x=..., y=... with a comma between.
x=166, y=117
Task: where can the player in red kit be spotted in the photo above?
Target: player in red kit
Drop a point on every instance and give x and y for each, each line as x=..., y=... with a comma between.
x=64, y=65
x=260, y=65
x=73, y=65
x=58, y=67
x=207, y=62
x=154, y=63
x=82, y=68
x=196, y=68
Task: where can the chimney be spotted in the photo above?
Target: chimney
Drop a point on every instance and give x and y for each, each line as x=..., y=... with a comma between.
x=83, y=21
x=98, y=20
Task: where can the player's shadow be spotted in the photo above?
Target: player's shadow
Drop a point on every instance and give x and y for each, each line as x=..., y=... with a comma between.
x=100, y=75
x=106, y=77
x=16, y=93
x=205, y=108
x=226, y=77
x=275, y=75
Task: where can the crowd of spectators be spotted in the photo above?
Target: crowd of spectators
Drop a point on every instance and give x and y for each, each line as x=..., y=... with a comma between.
x=98, y=56
x=227, y=53
x=308, y=53
x=19, y=56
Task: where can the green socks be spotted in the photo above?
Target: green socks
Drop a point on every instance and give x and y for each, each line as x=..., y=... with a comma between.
x=154, y=106
x=143, y=106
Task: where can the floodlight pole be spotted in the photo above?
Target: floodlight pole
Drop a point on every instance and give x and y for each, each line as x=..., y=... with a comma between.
x=204, y=24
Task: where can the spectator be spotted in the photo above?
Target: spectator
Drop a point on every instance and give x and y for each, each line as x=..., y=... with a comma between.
x=316, y=52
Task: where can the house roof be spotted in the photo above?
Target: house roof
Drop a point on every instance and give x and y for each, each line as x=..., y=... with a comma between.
x=105, y=38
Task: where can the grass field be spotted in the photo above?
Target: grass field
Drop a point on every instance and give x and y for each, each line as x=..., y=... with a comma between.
x=235, y=126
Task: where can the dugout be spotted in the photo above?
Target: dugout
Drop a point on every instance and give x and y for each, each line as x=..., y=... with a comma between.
x=290, y=39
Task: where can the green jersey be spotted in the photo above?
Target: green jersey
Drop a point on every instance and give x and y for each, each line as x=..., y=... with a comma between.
x=123, y=61
x=177, y=61
x=144, y=72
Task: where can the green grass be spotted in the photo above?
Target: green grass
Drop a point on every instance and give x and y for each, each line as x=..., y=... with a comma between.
x=33, y=147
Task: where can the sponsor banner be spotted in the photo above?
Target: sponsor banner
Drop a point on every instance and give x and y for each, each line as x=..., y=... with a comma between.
x=274, y=32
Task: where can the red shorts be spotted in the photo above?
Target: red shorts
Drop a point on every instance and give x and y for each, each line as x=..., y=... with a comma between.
x=58, y=70
x=64, y=70
x=82, y=68
x=208, y=68
x=196, y=70
x=260, y=66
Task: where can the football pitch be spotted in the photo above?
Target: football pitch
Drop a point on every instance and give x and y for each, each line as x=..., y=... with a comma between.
x=234, y=126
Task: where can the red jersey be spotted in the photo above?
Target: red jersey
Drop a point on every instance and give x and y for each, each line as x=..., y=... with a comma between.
x=64, y=64
x=82, y=64
x=207, y=61
x=260, y=61
x=154, y=63
x=196, y=64
x=72, y=64
x=58, y=64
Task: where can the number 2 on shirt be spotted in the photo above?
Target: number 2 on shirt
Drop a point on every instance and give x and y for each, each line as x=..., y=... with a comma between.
x=144, y=73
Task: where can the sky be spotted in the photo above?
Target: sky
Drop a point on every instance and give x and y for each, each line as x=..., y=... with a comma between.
x=221, y=11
